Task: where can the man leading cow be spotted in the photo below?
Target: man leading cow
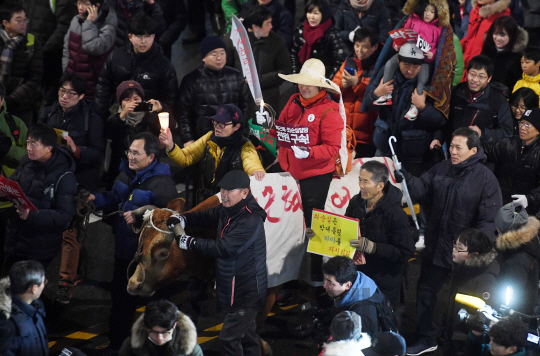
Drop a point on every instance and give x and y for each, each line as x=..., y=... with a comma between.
x=240, y=252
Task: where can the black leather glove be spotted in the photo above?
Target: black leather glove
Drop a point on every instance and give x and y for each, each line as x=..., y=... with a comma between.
x=399, y=175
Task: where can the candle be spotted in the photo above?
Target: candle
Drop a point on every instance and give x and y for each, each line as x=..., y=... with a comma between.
x=164, y=119
x=262, y=107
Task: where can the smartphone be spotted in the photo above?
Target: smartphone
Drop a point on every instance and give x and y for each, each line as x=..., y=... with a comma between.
x=533, y=338
x=143, y=106
x=350, y=70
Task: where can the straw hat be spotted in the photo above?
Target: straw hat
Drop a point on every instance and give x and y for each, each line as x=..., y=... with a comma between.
x=312, y=73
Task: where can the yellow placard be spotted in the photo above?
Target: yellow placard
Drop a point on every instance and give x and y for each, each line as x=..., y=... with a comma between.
x=333, y=234
x=61, y=134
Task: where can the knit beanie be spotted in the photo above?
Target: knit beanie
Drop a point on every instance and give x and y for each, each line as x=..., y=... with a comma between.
x=211, y=43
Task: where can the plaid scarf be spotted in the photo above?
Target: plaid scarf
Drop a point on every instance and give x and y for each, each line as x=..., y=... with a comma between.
x=6, y=58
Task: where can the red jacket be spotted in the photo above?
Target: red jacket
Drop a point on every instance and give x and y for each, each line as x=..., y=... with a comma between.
x=362, y=123
x=480, y=21
x=324, y=136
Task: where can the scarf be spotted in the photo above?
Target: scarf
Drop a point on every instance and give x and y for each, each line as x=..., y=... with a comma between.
x=306, y=102
x=312, y=35
x=6, y=58
x=133, y=118
x=229, y=146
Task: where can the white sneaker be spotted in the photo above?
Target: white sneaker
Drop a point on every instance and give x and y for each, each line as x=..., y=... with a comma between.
x=412, y=113
x=420, y=244
x=384, y=100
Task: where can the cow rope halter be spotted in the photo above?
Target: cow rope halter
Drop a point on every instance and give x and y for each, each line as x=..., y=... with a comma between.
x=137, y=259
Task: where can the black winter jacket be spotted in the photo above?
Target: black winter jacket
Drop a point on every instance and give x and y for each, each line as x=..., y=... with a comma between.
x=154, y=11
x=376, y=17
x=23, y=87
x=490, y=112
x=388, y=226
x=271, y=58
x=455, y=198
x=476, y=277
x=40, y=236
x=330, y=50
x=520, y=251
x=49, y=26
x=413, y=137
x=282, y=20
x=517, y=167
x=508, y=67
x=85, y=127
x=152, y=70
x=202, y=92
x=240, y=252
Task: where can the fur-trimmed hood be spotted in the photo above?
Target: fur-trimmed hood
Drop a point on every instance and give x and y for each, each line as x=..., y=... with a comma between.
x=5, y=298
x=481, y=260
x=514, y=239
x=184, y=339
x=347, y=347
x=442, y=10
x=521, y=41
x=492, y=9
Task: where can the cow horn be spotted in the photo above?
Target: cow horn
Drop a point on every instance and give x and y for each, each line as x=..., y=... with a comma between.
x=140, y=212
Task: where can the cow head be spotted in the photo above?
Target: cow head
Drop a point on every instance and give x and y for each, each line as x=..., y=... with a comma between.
x=159, y=261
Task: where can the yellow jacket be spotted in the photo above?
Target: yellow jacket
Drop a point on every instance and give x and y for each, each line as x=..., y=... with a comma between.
x=195, y=152
x=529, y=82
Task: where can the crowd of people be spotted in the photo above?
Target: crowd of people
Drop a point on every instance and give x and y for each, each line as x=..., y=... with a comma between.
x=83, y=89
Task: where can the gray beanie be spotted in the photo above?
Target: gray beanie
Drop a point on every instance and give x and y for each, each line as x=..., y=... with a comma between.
x=509, y=219
x=346, y=325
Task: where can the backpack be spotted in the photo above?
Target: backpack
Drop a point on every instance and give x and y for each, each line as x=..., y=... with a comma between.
x=385, y=314
x=12, y=126
x=350, y=145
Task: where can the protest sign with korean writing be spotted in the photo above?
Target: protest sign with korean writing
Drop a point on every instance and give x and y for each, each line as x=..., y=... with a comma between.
x=292, y=135
x=332, y=234
x=423, y=44
x=13, y=191
x=403, y=35
x=266, y=138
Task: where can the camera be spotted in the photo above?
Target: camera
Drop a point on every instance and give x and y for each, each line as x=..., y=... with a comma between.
x=313, y=321
x=143, y=106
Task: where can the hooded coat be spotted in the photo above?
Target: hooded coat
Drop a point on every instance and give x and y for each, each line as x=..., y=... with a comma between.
x=528, y=81
x=22, y=326
x=362, y=123
x=480, y=20
x=87, y=45
x=239, y=250
x=347, y=347
x=517, y=168
x=455, y=197
x=509, y=59
x=520, y=252
x=476, y=277
x=51, y=186
x=388, y=226
x=363, y=289
x=183, y=343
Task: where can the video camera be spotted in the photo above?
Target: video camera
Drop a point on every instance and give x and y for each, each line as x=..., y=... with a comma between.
x=486, y=317
x=313, y=321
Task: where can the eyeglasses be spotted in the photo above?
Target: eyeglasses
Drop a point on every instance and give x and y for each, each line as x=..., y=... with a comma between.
x=216, y=54
x=163, y=333
x=143, y=37
x=520, y=108
x=20, y=22
x=457, y=250
x=480, y=77
x=68, y=93
x=219, y=125
x=133, y=154
x=525, y=124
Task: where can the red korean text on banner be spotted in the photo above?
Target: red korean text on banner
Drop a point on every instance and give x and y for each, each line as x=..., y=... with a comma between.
x=292, y=135
x=403, y=35
x=13, y=191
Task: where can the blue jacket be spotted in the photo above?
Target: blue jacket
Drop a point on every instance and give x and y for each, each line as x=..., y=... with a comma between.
x=26, y=328
x=362, y=289
x=132, y=190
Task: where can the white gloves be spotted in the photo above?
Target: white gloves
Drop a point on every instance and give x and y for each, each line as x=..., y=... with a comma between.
x=299, y=152
x=184, y=242
x=263, y=117
x=520, y=200
x=176, y=219
x=351, y=35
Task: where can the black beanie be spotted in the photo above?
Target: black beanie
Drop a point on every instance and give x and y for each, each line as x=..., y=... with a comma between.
x=211, y=43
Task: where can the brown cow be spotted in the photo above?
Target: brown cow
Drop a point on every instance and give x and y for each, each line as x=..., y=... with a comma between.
x=160, y=262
